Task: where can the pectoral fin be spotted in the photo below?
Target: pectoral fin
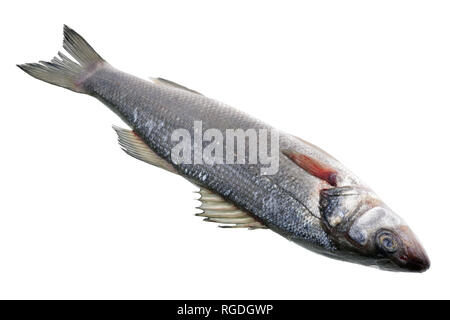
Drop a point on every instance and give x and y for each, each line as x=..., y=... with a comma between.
x=313, y=167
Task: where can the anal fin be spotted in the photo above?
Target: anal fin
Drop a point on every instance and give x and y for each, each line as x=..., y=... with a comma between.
x=171, y=84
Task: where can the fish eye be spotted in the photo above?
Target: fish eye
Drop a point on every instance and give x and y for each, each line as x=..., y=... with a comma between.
x=387, y=241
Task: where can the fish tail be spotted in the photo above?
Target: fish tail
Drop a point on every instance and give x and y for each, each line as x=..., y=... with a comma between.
x=63, y=71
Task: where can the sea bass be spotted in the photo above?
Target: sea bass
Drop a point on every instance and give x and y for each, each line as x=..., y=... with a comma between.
x=307, y=196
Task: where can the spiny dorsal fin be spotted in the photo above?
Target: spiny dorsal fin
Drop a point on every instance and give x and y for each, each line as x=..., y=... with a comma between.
x=217, y=209
x=214, y=207
x=172, y=84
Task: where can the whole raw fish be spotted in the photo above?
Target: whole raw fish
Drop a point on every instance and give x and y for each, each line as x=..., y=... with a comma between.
x=307, y=197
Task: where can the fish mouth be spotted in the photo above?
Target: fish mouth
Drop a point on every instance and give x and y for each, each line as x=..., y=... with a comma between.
x=412, y=257
x=417, y=263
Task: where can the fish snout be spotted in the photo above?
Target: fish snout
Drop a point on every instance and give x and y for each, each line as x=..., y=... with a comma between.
x=412, y=257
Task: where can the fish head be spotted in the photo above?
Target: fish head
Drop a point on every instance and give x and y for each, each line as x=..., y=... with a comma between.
x=366, y=231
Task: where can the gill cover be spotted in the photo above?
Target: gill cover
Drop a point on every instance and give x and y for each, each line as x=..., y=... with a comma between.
x=339, y=206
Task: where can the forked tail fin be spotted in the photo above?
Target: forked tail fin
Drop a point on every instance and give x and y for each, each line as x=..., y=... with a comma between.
x=63, y=71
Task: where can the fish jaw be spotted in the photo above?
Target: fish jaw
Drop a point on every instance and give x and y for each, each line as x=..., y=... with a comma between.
x=412, y=257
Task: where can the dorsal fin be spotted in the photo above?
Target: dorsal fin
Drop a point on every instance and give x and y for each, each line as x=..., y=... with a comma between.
x=217, y=209
x=172, y=84
x=135, y=147
x=214, y=207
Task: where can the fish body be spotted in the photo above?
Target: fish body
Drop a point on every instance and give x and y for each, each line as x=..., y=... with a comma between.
x=311, y=199
x=281, y=201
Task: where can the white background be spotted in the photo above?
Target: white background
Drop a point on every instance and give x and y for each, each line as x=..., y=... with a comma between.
x=367, y=81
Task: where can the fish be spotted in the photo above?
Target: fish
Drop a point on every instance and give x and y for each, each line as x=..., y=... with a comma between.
x=306, y=195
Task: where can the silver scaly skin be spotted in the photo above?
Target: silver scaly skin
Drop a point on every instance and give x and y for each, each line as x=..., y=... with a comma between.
x=312, y=199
